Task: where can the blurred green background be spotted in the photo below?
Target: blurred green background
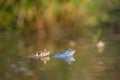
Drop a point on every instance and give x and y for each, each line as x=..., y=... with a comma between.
x=54, y=16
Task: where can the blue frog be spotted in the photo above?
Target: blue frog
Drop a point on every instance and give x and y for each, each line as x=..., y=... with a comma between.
x=66, y=53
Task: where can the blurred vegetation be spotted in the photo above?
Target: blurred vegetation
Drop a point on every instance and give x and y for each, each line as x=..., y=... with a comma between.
x=58, y=17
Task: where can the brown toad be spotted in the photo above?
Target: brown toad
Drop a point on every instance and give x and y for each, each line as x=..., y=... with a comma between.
x=39, y=54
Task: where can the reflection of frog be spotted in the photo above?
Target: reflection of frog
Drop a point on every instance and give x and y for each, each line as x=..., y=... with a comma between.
x=38, y=54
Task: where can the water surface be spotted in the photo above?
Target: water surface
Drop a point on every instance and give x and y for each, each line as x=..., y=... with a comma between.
x=90, y=64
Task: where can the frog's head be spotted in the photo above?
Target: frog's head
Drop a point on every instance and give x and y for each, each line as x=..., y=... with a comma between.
x=69, y=52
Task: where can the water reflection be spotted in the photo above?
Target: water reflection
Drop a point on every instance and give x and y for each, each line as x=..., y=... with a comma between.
x=69, y=60
x=20, y=67
x=41, y=59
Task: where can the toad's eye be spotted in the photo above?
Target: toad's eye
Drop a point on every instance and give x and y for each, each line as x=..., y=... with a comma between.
x=39, y=52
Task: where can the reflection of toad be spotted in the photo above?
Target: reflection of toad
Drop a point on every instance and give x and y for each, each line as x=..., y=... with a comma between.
x=38, y=54
x=44, y=59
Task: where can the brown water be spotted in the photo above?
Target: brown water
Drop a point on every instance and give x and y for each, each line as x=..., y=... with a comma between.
x=90, y=63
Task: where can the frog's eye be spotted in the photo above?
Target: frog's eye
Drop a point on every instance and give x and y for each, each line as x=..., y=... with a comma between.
x=70, y=50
